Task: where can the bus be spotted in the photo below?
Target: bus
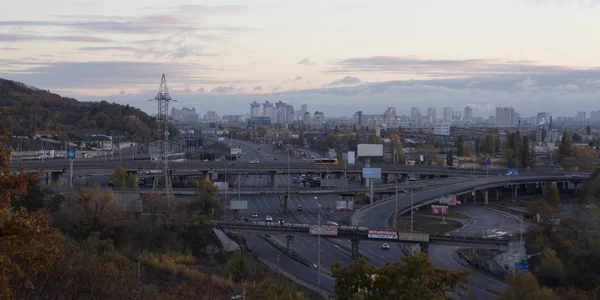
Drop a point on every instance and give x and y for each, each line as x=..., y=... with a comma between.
x=326, y=161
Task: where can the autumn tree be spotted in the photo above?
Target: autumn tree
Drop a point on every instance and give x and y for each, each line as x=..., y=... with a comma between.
x=27, y=243
x=550, y=272
x=525, y=287
x=206, y=205
x=415, y=278
x=459, y=144
x=119, y=177
x=487, y=146
x=551, y=195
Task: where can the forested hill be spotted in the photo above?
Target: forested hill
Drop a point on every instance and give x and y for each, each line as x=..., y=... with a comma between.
x=24, y=108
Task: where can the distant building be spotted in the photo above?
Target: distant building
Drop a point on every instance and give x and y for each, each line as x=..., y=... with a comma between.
x=184, y=115
x=448, y=114
x=581, y=116
x=265, y=121
x=255, y=109
x=211, y=116
x=431, y=114
x=505, y=116
x=415, y=113
x=468, y=114
x=319, y=117
x=442, y=128
x=358, y=118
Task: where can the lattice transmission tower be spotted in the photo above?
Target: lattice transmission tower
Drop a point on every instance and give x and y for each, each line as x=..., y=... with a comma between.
x=162, y=179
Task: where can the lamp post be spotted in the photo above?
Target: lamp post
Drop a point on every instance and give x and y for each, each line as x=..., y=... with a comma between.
x=396, y=211
x=412, y=194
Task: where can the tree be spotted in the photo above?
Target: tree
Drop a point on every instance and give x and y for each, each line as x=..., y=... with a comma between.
x=27, y=243
x=525, y=287
x=565, y=149
x=466, y=150
x=459, y=145
x=577, y=138
x=34, y=199
x=588, y=130
x=206, y=204
x=449, y=158
x=527, y=159
x=550, y=272
x=416, y=278
x=551, y=195
x=132, y=181
x=118, y=177
x=487, y=146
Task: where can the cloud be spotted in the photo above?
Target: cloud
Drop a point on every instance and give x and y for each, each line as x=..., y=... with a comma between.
x=13, y=38
x=297, y=78
x=201, y=90
x=226, y=90
x=9, y=48
x=440, y=67
x=345, y=81
x=307, y=62
x=122, y=92
x=258, y=88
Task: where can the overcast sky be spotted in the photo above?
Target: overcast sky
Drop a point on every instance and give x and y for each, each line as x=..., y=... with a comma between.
x=337, y=56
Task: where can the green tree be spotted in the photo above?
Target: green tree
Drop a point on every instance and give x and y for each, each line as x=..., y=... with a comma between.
x=487, y=146
x=551, y=195
x=526, y=157
x=132, y=181
x=415, y=278
x=565, y=149
x=206, y=204
x=34, y=199
x=588, y=130
x=450, y=158
x=525, y=287
x=466, y=150
x=577, y=138
x=118, y=177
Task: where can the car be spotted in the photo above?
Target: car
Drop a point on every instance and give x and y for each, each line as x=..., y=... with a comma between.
x=452, y=167
x=269, y=219
x=245, y=219
x=299, y=208
x=254, y=215
x=575, y=176
x=255, y=161
x=280, y=221
x=385, y=246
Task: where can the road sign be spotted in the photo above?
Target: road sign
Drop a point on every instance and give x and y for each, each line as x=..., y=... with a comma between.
x=250, y=127
x=522, y=266
x=383, y=234
x=512, y=172
x=374, y=173
x=323, y=230
x=413, y=236
x=448, y=200
x=71, y=153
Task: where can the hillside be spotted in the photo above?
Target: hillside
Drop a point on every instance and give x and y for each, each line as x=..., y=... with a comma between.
x=25, y=109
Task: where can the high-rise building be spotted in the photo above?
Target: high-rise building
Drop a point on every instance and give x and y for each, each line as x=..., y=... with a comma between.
x=448, y=114
x=542, y=117
x=255, y=109
x=441, y=128
x=468, y=115
x=303, y=110
x=389, y=114
x=185, y=115
x=268, y=110
x=431, y=114
x=457, y=114
x=415, y=113
x=505, y=116
x=358, y=118
x=581, y=116
x=318, y=117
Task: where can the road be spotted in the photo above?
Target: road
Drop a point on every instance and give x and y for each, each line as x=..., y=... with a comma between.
x=481, y=284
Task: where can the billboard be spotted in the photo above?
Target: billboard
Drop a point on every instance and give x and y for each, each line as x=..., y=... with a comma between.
x=323, y=229
x=374, y=173
x=250, y=127
x=383, y=234
x=235, y=151
x=238, y=204
x=413, y=236
x=71, y=153
x=439, y=210
x=448, y=200
x=370, y=150
x=351, y=157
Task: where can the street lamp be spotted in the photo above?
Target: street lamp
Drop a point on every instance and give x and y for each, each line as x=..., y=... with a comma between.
x=319, y=250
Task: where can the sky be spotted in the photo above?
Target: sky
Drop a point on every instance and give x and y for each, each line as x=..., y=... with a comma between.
x=337, y=56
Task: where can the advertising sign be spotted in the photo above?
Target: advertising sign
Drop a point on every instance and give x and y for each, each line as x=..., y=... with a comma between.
x=351, y=157
x=439, y=210
x=374, y=173
x=448, y=200
x=250, y=127
x=344, y=205
x=323, y=230
x=238, y=204
x=71, y=153
x=370, y=149
x=413, y=236
x=383, y=234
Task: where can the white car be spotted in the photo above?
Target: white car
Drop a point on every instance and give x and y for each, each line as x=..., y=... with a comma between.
x=385, y=246
x=269, y=219
x=254, y=161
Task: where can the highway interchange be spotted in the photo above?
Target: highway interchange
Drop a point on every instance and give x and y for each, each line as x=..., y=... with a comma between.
x=482, y=286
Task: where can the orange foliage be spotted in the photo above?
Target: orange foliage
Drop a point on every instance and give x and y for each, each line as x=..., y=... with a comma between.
x=27, y=243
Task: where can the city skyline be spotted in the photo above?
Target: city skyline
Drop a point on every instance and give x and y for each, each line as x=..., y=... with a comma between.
x=355, y=56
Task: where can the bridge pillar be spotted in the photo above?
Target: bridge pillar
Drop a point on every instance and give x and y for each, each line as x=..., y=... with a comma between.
x=414, y=249
x=575, y=187
x=485, y=196
x=424, y=247
x=355, y=251
x=289, y=238
x=474, y=193
x=516, y=191
x=207, y=175
x=55, y=178
x=274, y=179
x=497, y=194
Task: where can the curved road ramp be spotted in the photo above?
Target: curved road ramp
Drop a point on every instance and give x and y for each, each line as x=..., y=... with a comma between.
x=228, y=244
